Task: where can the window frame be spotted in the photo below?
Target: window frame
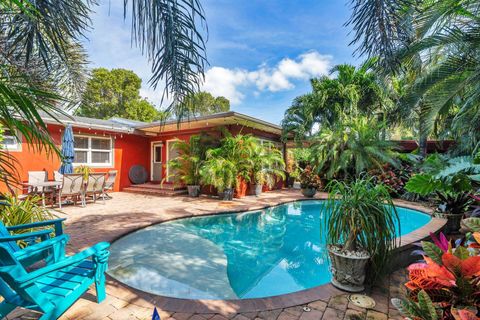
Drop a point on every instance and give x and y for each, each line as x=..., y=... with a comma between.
x=90, y=150
x=17, y=147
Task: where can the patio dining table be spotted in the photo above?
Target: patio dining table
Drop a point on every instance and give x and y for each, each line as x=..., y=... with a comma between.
x=44, y=185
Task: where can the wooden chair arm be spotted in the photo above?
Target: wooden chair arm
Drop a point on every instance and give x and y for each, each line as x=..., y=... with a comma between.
x=41, y=246
x=97, y=250
x=57, y=223
x=23, y=236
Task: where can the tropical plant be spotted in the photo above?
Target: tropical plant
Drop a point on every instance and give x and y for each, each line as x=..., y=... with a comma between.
x=84, y=170
x=351, y=148
x=219, y=172
x=360, y=217
x=352, y=92
x=191, y=157
x=446, y=284
x=15, y=211
x=437, y=41
x=309, y=179
x=451, y=184
x=239, y=150
x=267, y=164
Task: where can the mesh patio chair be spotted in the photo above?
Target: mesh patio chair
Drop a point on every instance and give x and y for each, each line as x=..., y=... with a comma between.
x=94, y=187
x=72, y=187
x=109, y=183
x=36, y=177
x=57, y=176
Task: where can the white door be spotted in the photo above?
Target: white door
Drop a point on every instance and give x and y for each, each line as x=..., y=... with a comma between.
x=156, y=167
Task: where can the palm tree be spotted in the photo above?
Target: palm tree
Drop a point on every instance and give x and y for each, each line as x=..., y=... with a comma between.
x=352, y=92
x=439, y=39
x=42, y=63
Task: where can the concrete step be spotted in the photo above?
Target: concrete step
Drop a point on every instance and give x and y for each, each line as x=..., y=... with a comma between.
x=157, y=186
x=155, y=191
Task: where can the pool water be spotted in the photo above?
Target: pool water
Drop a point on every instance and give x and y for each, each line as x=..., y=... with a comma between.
x=256, y=254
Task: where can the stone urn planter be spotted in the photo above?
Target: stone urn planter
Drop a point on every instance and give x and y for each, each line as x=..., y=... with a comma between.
x=297, y=185
x=348, y=269
x=193, y=191
x=258, y=189
x=309, y=192
x=453, y=221
x=226, y=195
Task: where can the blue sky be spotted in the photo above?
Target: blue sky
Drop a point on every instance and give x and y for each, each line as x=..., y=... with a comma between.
x=261, y=53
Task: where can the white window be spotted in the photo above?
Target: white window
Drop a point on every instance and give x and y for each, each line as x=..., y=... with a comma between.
x=11, y=141
x=93, y=151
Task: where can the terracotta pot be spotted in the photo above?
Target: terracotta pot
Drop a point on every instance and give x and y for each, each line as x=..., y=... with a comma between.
x=348, y=270
x=241, y=188
x=309, y=192
x=193, y=191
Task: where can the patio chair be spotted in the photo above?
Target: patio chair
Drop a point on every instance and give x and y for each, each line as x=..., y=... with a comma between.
x=72, y=187
x=36, y=177
x=54, y=239
x=51, y=289
x=57, y=176
x=109, y=183
x=94, y=186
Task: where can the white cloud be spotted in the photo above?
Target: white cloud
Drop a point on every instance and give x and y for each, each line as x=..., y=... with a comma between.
x=231, y=83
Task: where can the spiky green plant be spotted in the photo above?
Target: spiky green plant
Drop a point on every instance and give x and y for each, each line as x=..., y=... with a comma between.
x=191, y=157
x=360, y=216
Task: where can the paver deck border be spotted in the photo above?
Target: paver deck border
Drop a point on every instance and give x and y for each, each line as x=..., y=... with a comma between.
x=323, y=292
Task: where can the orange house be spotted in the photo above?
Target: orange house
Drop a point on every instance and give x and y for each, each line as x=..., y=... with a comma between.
x=118, y=144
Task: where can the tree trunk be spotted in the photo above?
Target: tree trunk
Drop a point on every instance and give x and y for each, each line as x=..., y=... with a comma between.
x=422, y=145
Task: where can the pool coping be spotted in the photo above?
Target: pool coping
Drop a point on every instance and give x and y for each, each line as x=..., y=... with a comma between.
x=322, y=292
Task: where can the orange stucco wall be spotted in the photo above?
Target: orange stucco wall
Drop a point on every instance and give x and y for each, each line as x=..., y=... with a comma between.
x=129, y=150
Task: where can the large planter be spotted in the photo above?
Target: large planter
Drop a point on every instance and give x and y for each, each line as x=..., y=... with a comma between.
x=309, y=192
x=193, y=191
x=241, y=188
x=258, y=189
x=453, y=221
x=348, y=270
x=226, y=195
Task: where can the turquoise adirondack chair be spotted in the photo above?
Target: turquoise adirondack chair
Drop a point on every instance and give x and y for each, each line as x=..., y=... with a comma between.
x=53, y=288
x=36, y=250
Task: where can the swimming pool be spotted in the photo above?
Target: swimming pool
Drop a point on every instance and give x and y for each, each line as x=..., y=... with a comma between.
x=254, y=254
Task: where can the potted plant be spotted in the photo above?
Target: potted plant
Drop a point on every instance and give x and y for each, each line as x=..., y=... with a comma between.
x=220, y=173
x=267, y=166
x=186, y=166
x=309, y=182
x=360, y=231
x=450, y=193
x=84, y=170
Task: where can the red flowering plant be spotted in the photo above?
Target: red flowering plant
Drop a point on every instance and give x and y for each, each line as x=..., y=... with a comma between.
x=446, y=285
x=309, y=179
x=394, y=178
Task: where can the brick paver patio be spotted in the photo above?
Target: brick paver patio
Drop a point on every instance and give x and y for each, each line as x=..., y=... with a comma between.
x=128, y=212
